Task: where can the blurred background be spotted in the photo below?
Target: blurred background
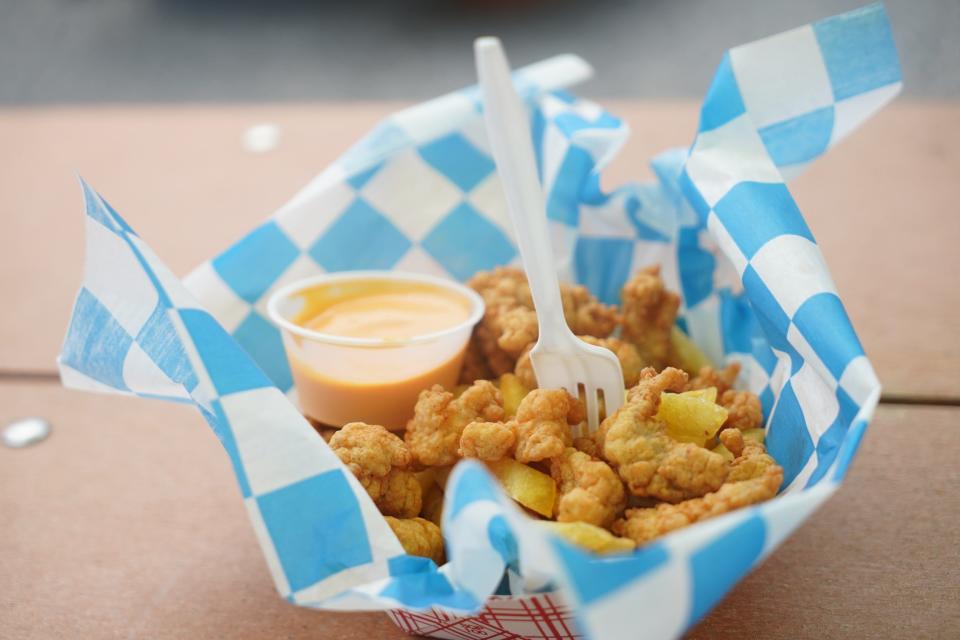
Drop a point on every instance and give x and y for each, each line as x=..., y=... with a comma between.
x=77, y=51
x=198, y=118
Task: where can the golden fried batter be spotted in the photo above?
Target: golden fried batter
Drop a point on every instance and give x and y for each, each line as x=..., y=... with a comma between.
x=743, y=410
x=588, y=490
x=398, y=493
x=630, y=361
x=733, y=440
x=380, y=460
x=503, y=286
x=649, y=313
x=754, y=477
x=588, y=445
x=585, y=315
x=518, y=330
x=543, y=423
x=631, y=475
x=485, y=337
x=490, y=441
x=753, y=462
x=650, y=461
x=509, y=325
x=475, y=365
x=524, y=370
x=723, y=380
x=433, y=434
x=419, y=537
x=505, y=294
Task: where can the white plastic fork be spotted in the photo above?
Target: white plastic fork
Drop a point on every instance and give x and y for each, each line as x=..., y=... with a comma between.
x=560, y=359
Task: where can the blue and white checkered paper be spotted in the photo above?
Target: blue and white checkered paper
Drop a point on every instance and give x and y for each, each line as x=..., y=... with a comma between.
x=420, y=193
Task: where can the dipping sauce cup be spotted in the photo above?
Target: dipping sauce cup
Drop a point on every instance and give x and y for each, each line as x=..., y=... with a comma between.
x=363, y=344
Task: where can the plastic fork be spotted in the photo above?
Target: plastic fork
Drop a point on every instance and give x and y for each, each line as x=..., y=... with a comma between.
x=560, y=359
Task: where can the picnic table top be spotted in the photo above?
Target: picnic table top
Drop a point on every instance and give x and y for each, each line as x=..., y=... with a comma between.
x=127, y=520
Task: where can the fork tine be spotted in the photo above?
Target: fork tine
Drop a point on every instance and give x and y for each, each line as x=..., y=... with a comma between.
x=613, y=396
x=593, y=407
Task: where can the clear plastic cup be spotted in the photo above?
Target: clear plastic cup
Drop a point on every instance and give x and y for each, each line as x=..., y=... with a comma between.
x=344, y=379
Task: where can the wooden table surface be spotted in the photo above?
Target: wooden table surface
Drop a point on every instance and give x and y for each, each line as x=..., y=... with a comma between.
x=126, y=522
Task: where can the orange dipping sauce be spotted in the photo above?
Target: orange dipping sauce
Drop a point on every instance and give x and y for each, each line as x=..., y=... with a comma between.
x=388, y=311
x=363, y=346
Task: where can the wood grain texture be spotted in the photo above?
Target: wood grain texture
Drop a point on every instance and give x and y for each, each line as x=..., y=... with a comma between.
x=882, y=205
x=126, y=523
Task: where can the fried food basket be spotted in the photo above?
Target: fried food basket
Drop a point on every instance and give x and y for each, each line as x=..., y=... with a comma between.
x=420, y=193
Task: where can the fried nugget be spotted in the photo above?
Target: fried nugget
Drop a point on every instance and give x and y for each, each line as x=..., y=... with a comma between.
x=630, y=361
x=433, y=434
x=502, y=286
x=649, y=313
x=723, y=379
x=518, y=330
x=543, y=424
x=651, y=462
x=489, y=441
x=524, y=370
x=744, y=410
x=585, y=315
x=588, y=445
x=419, y=537
x=588, y=490
x=733, y=440
x=505, y=295
x=507, y=287
x=509, y=324
x=486, y=336
x=475, y=365
x=381, y=461
x=754, y=477
x=752, y=462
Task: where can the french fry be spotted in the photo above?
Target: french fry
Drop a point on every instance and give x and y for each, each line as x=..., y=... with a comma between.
x=433, y=505
x=590, y=536
x=689, y=356
x=513, y=392
x=709, y=394
x=689, y=417
x=531, y=488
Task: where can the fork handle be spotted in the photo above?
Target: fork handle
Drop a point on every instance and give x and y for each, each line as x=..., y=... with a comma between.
x=510, y=139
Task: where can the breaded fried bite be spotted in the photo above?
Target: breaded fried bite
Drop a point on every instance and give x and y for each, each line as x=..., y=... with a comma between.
x=543, y=424
x=419, y=537
x=754, y=477
x=433, y=434
x=651, y=462
x=649, y=313
x=380, y=460
x=490, y=441
x=630, y=361
x=588, y=489
x=509, y=324
x=722, y=380
x=743, y=410
x=585, y=315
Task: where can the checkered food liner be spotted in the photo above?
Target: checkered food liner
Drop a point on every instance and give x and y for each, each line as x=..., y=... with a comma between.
x=420, y=193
